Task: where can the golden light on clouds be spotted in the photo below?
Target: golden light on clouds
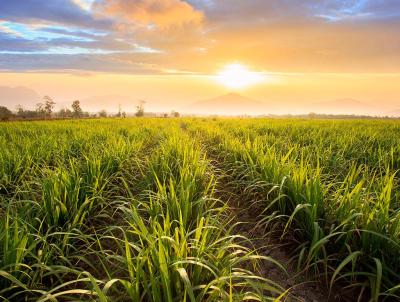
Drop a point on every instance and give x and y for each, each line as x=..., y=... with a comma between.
x=162, y=14
x=238, y=76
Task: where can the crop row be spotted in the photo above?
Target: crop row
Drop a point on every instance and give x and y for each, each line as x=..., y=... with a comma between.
x=114, y=211
x=332, y=185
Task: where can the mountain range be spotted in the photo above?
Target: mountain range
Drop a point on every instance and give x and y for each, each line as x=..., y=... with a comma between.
x=236, y=104
x=13, y=96
x=229, y=104
x=110, y=103
x=344, y=106
x=395, y=113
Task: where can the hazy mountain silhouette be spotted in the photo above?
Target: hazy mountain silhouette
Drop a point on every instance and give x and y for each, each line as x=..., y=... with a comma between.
x=229, y=104
x=393, y=113
x=344, y=106
x=110, y=102
x=12, y=96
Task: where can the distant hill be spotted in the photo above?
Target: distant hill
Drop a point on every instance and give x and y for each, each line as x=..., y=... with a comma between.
x=110, y=103
x=12, y=96
x=344, y=106
x=393, y=113
x=229, y=104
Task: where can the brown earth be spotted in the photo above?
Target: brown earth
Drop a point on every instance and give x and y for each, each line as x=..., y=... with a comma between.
x=266, y=241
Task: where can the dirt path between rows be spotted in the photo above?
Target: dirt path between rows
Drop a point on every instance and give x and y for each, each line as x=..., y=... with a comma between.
x=247, y=215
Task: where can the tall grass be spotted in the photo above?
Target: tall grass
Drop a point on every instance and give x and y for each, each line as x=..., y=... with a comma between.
x=55, y=179
x=116, y=210
x=334, y=186
x=178, y=244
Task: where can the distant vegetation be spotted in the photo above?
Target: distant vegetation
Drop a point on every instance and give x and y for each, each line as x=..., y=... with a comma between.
x=140, y=109
x=45, y=110
x=5, y=113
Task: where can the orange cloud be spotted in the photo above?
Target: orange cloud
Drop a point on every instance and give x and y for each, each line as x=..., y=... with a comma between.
x=162, y=13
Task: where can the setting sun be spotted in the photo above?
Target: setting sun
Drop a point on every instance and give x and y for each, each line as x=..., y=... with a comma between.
x=237, y=76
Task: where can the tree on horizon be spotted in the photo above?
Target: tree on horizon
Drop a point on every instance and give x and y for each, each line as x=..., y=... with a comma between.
x=140, y=108
x=5, y=113
x=48, y=105
x=76, y=108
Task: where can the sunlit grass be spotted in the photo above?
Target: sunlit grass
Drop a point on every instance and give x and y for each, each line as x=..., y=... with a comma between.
x=127, y=209
x=334, y=186
x=116, y=210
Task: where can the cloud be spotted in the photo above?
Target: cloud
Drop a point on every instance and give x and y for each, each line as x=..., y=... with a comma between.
x=256, y=10
x=12, y=42
x=85, y=4
x=160, y=13
x=76, y=63
x=5, y=29
x=154, y=36
x=54, y=11
x=68, y=42
x=291, y=35
x=356, y=11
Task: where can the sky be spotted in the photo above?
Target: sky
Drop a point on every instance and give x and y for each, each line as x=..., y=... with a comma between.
x=171, y=53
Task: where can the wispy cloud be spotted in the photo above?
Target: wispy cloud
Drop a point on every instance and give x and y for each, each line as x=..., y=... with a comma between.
x=197, y=36
x=161, y=13
x=5, y=28
x=84, y=4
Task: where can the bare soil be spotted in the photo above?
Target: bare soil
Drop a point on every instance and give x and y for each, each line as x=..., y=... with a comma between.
x=247, y=215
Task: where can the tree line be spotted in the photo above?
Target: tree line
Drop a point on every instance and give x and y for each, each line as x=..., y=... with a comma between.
x=46, y=110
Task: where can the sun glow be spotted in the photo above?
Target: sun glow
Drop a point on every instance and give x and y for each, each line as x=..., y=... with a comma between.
x=238, y=76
